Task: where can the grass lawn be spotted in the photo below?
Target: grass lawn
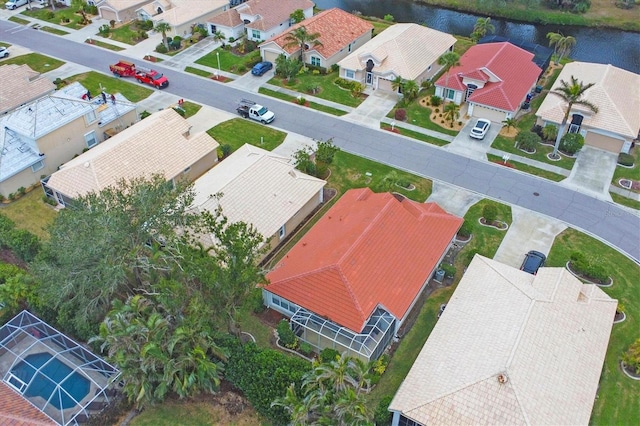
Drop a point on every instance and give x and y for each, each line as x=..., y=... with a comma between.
x=327, y=89
x=4, y=44
x=36, y=61
x=190, y=108
x=229, y=61
x=238, y=131
x=419, y=115
x=40, y=215
x=312, y=105
x=19, y=20
x=625, y=201
x=126, y=34
x=628, y=173
x=96, y=82
x=198, y=71
x=106, y=45
x=528, y=169
x=415, y=135
x=56, y=17
x=54, y=31
x=619, y=397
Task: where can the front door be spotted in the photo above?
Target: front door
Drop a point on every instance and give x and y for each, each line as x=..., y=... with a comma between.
x=369, y=78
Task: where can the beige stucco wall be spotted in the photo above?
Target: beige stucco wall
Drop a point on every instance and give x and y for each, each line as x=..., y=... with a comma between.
x=25, y=178
x=345, y=50
x=203, y=165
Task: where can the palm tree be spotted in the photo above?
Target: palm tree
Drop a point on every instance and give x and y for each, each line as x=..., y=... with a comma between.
x=509, y=123
x=219, y=36
x=397, y=84
x=448, y=61
x=302, y=39
x=553, y=41
x=572, y=94
x=163, y=27
x=411, y=89
x=451, y=112
x=481, y=28
x=564, y=46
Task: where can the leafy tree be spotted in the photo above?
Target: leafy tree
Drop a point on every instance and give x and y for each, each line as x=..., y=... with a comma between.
x=78, y=6
x=571, y=93
x=509, y=123
x=287, y=67
x=325, y=151
x=302, y=39
x=303, y=162
x=572, y=143
x=481, y=28
x=451, y=112
x=389, y=181
x=527, y=141
x=164, y=28
x=389, y=17
x=297, y=16
x=448, y=61
x=435, y=100
x=490, y=212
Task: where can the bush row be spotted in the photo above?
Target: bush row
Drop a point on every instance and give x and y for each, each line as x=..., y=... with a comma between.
x=588, y=266
x=21, y=242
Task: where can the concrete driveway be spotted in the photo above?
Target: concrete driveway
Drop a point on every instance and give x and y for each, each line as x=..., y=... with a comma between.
x=528, y=231
x=477, y=149
x=453, y=199
x=592, y=172
x=250, y=82
x=370, y=112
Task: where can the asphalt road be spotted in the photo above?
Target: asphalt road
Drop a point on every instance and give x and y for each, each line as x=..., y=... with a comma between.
x=603, y=220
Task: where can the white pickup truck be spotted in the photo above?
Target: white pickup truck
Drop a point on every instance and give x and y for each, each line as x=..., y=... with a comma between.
x=250, y=109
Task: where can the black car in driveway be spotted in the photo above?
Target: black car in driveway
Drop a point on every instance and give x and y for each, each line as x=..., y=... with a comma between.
x=532, y=262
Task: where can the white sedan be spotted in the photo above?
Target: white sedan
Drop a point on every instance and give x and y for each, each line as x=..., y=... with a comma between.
x=480, y=129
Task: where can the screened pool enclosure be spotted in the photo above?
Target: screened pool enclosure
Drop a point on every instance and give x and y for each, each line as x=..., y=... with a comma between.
x=61, y=378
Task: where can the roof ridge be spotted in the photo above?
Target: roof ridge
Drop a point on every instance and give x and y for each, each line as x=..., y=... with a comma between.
x=349, y=289
x=611, y=101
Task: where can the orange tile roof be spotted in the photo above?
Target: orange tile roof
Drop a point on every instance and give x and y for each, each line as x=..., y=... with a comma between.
x=336, y=27
x=17, y=411
x=369, y=249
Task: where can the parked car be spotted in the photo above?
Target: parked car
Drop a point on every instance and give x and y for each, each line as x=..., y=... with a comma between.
x=4, y=52
x=533, y=261
x=480, y=129
x=261, y=67
x=14, y=4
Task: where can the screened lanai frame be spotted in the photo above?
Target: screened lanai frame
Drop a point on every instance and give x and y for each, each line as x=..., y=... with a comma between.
x=27, y=334
x=322, y=333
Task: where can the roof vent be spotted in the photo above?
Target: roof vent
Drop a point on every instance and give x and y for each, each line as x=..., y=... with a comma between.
x=86, y=164
x=502, y=378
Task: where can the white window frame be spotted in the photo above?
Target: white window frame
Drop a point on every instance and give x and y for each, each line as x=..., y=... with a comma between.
x=447, y=92
x=314, y=59
x=187, y=170
x=256, y=34
x=91, y=116
x=88, y=137
x=350, y=77
x=282, y=232
x=37, y=166
x=350, y=46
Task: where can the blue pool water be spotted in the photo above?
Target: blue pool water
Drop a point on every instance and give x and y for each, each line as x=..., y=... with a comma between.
x=76, y=385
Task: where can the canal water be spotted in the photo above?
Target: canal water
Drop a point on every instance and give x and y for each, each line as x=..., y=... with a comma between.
x=606, y=46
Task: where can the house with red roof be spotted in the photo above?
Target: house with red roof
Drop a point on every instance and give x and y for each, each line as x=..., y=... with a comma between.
x=494, y=79
x=340, y=34
x=352, y=280
x=17, y=411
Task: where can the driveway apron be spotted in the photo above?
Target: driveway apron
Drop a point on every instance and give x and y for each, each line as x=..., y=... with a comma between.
x=592, y=172
x=370, y=112
x=464, y=144
x=453, y=199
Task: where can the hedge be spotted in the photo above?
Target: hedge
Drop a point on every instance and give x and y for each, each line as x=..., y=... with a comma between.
x=22, y=243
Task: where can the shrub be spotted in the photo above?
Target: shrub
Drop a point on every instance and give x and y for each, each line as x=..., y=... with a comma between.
x=626, y=159
x=388, y=17
x=588, y=266
x=550, y=132
x=527, y=141
x=437, y=110
x=180, y=111
x=161, y=48
x=401, y=114
x=22, y=190
x=232, y=39
x=328, y=355
x=382, y=416
x=225, y=149
x=435, y=101
x=22, y=243
x=144, y=114
x=287, y=337
x=104, y=30
x=571, y=143
x=468, y=257
x=315, y=72
x=242, y=68
x=631, y=358
x=335, y=68
x=466, y=229
x=350, y=85
x=537, y=130
x=49, y=15
x=112, y=23
x=142, y=35
x=306, y=349
x=91, y=9
x=48, y=200
x=147, y=25
x=449, y=270
x=490, y=212
x=300, y=100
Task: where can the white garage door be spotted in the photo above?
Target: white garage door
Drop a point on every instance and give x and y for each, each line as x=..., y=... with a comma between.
x=270, y=56
x=603, y=142
x=494, y=115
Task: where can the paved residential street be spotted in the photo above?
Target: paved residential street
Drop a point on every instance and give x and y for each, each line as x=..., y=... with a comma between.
x=616, y=225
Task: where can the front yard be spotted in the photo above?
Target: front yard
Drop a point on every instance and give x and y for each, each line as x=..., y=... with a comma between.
x=321, y=86
x=62, y=16
x=96, y=82
x=238, y=131
x=229, y=61
x=36, y=62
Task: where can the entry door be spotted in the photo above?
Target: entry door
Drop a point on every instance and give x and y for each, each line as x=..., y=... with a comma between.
x=369, y=78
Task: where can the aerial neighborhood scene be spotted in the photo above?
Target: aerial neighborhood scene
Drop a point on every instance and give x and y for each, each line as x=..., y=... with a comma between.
x=327, y=212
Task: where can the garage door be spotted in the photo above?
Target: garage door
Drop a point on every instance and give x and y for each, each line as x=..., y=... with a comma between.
x=603, y=142
x=270, y=56
x=489, y=113
x=108, y=14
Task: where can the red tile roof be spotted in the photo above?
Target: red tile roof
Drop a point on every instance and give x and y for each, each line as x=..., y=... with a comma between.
x=17, y=411
x=367, y=250
x=336, y=27
x=513, y=67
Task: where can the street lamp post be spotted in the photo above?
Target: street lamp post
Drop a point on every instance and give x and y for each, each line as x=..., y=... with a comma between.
x=218, y=56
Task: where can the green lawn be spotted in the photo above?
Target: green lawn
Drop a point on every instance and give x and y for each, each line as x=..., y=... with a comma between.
x=105, y=45
x=190, y=108
x=415, y=135
x=18, y=20
x=127, y=33
x=57, y=16
x=198, y=71
x=627, y=173
x=229, y=61
x=419, y=115
x=312, y=105
x=31, y=213
x=238, y=131
x=54, y=31
x=625, y=201
x=528, y=169
x=506, y=144
x=96, y=82
x=4, y=44
x=327, y=89
x=618, y=399
x=36, y=61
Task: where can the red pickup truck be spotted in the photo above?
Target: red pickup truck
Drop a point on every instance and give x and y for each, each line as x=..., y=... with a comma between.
x=143, y=75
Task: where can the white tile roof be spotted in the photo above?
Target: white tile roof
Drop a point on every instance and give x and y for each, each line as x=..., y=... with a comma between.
x=404, y=49
x=157, y=144
x=616, y=93
x=547, y=335
x=21, y=84
x=258, y=187
x=184, y=11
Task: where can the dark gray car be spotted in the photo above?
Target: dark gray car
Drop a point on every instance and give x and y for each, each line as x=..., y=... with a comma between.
x=533, y=261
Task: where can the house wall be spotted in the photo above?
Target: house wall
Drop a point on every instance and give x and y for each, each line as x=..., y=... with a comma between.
x=202, y=166
x=345, y=51
x=228, y=32
x=25, y=178
x=124, y=15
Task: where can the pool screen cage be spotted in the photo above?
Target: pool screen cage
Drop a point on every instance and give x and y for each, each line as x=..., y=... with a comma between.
x=26, y=336
x=322, y=333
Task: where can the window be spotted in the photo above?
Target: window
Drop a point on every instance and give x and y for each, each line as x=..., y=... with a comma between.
x=449, y=94
x=349, y=74
x=187, y=170
x=350, y=46
x=429, y=68
x=255, y=34
x=90, y=117
x=90, y=139
x=37, y=166
x=315, y=61
x=282, y=232
x=406, y=422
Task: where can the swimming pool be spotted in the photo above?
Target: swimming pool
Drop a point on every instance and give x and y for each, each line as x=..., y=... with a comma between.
x=54, y=378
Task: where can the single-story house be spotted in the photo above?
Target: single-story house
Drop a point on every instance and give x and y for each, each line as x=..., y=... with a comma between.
x=36, y=138
x=261, y=189
x=182, y=15
x=15, y=410
x=616, y=93
x=21, y=85
x=161, y=143
x=409, y=51
x=510, y=348
x=352, y=280
x=340, y=34
x=258, y=19
x=541, y=54
x=494, y=79
x=120, y=11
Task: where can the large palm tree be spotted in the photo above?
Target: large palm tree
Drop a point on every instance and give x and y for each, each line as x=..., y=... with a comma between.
x=451, y=112
x=571, y=93
x=163, y=27
x=481, y=28
x=411, y=89
x=561, y=45
x=302, y=39
x=448, y=61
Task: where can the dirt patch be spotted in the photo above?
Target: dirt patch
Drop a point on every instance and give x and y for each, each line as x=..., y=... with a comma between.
x=438, y=117
x=511, y=132
x=7, y=256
